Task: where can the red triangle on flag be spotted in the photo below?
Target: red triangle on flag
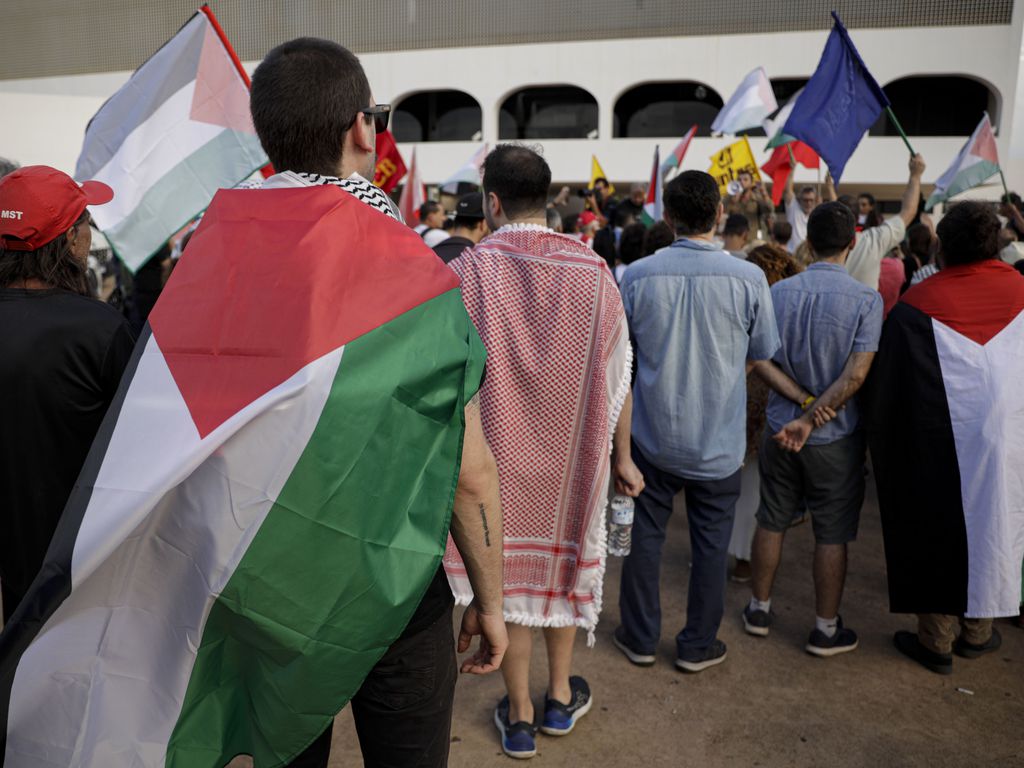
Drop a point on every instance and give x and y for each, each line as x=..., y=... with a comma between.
x=221, y=96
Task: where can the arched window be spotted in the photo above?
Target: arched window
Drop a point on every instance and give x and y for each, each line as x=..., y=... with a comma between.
x=437, y=116
x=666, y=109
x=937, y=105
x=548, y=112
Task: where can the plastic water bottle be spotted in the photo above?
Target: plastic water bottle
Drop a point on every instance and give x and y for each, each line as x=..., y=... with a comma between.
x=620, y=531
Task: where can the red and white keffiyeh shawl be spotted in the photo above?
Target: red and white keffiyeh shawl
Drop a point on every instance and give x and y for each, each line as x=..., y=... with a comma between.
x=558, y=368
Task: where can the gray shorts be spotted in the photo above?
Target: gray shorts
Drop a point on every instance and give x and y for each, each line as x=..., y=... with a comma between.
x=827, y=480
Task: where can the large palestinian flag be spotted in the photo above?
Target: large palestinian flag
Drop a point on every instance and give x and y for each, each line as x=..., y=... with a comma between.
x=266, y=502
x=945, y=421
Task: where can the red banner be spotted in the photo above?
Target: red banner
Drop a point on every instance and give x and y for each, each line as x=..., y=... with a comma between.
x=390, y=166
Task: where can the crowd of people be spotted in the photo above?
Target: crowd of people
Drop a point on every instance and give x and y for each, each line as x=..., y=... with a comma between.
x=746, y=358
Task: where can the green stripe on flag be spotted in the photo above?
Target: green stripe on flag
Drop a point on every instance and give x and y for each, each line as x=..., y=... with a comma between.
x=346, y=552
x=182, y=194
x=972, y=176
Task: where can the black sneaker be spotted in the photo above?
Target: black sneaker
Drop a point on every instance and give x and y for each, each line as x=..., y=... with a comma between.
x=712, y=655
x=517, y=739
x=757, y=623
x=559, y=718
x=843, y=641
x=971, y=651
x=640, y=659
x=908, y=644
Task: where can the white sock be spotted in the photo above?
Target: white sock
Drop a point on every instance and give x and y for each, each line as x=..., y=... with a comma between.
x=760, y=605
x=827, y=626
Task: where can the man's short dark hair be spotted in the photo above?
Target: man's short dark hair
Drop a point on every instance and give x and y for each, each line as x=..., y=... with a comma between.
x=782, y=232
x=520, y=178
x=849, y=201
x=659, y=236
x=691, y=200
x=831, y=227
x=736, y=224
x=305, y=96
x=429, y=207
x=968, y=232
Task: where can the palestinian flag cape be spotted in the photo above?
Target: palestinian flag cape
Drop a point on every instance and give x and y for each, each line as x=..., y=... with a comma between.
x=265, y=504
x=945, y=421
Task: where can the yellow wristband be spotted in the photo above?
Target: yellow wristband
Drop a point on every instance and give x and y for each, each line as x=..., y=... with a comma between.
x=810, y=399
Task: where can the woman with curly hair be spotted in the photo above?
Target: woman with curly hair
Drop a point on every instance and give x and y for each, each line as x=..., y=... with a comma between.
x=777, y=264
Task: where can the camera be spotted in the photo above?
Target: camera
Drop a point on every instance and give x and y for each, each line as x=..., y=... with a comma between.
x=585, y=192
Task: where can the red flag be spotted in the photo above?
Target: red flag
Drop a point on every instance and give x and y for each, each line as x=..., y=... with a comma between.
x=390, y=166
x=414, y=194
x=780, y=165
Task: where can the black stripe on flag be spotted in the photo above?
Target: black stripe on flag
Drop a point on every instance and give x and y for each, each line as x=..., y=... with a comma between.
x=53, y=583
x=913, y=457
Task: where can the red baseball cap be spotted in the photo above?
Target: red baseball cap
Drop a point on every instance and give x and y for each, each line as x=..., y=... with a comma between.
x=587, y=217
x=39, y=203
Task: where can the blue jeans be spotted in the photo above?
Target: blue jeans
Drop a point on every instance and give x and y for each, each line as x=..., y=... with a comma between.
x=710, y=508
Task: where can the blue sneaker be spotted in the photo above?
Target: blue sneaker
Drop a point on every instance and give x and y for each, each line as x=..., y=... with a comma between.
x=518, y=740
x=559, y=718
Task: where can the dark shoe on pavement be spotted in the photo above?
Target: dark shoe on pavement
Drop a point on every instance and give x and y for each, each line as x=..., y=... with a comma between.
x=712, y=655
x=518, y=740
x=843, y=641
x=971, y=651
x=908, y=644
x=559, y=718
x=636, y=657
x=757, y=623
x=741, y=573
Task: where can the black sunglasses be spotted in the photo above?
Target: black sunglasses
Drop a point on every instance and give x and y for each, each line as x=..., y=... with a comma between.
x=380, y=114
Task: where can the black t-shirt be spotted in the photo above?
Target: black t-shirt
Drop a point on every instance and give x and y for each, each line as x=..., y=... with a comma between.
x=436, y=600
x=452, y=248
x=61, y=359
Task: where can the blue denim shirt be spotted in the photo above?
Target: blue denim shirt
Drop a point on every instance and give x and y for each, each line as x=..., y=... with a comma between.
x=696, y=314
x=824, y=315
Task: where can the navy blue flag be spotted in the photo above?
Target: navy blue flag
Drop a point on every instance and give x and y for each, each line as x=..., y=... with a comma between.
x=839, y=103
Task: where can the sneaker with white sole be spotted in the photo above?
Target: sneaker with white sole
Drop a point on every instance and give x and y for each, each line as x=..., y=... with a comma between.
x=640, y=659
x=712, y=655
x=518, y=740
x=559, y=718
x=843, y=641
x=757, y=623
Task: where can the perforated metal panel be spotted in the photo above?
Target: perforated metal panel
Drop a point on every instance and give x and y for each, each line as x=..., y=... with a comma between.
x=58, y=37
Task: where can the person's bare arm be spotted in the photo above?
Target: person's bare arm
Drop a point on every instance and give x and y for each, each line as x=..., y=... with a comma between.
x=777, y=379
x=829, y=194
x=794, y=434
x=477, y=533
x=789, y=192
x=628, y=478
x=912, y=193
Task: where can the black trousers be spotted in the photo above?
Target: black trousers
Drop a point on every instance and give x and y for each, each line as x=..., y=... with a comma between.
x=403, y=711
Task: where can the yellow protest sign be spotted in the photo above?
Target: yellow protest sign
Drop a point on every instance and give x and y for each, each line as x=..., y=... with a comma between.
x=727, y=164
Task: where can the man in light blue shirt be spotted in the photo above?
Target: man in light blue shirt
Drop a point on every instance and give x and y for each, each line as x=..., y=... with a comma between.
x=700, y=320
x=830, y=326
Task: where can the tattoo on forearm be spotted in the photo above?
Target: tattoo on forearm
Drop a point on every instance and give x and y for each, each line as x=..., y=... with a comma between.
x=487, y=530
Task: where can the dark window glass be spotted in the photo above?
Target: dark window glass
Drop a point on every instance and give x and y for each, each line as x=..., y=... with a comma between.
x=548, y=112
x=666, y=109
x=437, y=116
x=924, y=106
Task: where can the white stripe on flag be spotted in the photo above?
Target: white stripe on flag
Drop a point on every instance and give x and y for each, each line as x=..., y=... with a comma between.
x=989, y=456
x=149, y=152
x=103, y=683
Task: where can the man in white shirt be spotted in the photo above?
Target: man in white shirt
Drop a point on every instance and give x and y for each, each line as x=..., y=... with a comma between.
x=799, y=207
x=864, y=261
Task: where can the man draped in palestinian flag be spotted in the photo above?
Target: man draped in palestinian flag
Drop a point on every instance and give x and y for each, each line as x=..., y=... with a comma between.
x=945, y=393
x=256, y=536
x=558, y=367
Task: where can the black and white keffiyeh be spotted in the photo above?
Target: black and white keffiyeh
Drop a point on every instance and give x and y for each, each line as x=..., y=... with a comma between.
x=355, y=185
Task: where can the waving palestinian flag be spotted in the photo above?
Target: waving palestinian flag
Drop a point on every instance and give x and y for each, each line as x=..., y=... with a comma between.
x=945, y=422
x=266, y=502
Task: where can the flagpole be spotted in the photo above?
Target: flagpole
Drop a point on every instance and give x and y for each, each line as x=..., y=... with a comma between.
x=903, y=134
x=1006, y=192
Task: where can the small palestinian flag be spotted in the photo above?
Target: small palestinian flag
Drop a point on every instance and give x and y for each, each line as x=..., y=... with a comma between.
x=675, y=158
x=945, y=421
x=977, y=162
x=653, y=207
x=175, y=133
x=266, y=503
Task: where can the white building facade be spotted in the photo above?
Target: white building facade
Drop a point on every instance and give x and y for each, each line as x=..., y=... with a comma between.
x=614, y=91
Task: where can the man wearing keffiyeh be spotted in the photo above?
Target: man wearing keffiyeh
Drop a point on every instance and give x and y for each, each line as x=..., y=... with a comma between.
x=555, y=393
